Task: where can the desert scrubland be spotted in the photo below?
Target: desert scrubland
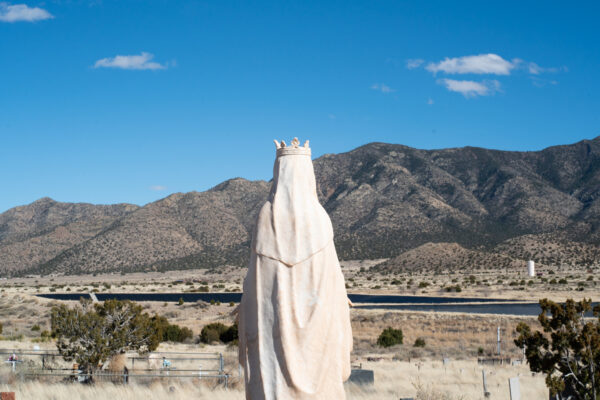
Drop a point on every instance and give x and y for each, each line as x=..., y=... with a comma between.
x=362, y=276
x=400, y=371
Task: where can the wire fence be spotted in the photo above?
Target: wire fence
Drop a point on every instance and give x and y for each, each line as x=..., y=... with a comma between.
x=49, y=365
x=138, y=376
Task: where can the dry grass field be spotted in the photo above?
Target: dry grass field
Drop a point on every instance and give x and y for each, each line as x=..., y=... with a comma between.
x=394, y=380
x=420, y=378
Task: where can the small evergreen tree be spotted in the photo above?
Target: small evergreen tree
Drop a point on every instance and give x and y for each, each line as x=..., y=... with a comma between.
x=390, y=337
x=92, y=333
x=568, y=349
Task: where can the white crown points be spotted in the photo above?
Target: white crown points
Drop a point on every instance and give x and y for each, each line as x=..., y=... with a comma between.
x=294, y=148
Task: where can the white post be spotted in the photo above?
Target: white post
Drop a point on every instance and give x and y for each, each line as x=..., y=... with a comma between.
x=531, y=268
x=515, y=390
x=499, y=340
x=485, y=391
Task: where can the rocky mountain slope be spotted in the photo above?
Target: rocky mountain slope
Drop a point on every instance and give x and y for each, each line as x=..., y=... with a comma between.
x=383, y=199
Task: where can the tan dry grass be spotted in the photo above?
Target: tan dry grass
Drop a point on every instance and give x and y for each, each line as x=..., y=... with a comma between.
x=446, y=334
x=393, y=380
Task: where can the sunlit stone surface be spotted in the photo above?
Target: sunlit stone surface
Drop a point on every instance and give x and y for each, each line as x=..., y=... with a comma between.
x=295, y=335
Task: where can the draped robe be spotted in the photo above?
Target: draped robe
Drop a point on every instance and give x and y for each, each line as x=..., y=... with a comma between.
x=295, y=337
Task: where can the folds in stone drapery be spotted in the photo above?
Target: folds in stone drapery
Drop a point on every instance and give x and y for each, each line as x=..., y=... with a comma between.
x=295, y=335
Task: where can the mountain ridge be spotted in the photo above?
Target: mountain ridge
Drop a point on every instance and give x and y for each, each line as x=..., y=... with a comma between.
x=383, y=199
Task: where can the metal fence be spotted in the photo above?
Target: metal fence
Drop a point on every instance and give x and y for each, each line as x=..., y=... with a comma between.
x=45, y=364
x=137, y=376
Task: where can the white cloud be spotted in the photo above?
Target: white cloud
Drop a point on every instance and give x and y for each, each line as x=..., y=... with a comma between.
x=479, y=64
x=21, y=12
x=383, y=88
x=414, y=63
x=158, y=188
x=534, y=68
x=471, y=88
x=138, y=62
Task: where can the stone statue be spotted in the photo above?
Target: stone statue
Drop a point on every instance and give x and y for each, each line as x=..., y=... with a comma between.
x=295, y=337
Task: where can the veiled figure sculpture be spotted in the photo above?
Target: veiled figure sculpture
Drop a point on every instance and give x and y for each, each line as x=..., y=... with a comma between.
x=295, y=337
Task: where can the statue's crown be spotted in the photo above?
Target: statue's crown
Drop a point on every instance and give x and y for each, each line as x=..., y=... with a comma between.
x=293, y=149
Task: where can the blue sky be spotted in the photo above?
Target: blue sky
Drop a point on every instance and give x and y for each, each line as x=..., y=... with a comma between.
x=129, y=101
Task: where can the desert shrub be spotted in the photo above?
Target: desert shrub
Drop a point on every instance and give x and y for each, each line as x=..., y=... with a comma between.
x=212, y=332
x=176, y=333
x=167, y=332
x=423, y=285
x=35, y=328
x=180, y=302
x=390, y=337
x=455, y=288
x=230, y=335
x=420, y=342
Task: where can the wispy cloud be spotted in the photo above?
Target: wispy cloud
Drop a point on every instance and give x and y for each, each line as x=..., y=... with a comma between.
x=383, y=88
x=22, y=12
x=479, y=64
x=541, y=82
x=137, y=62
x=430, y=101
x=471, y=88
x=158, y=188
x=414, y=63
x=535, y=69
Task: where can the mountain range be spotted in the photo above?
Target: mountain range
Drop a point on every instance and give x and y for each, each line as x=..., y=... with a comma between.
x=448, y=208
